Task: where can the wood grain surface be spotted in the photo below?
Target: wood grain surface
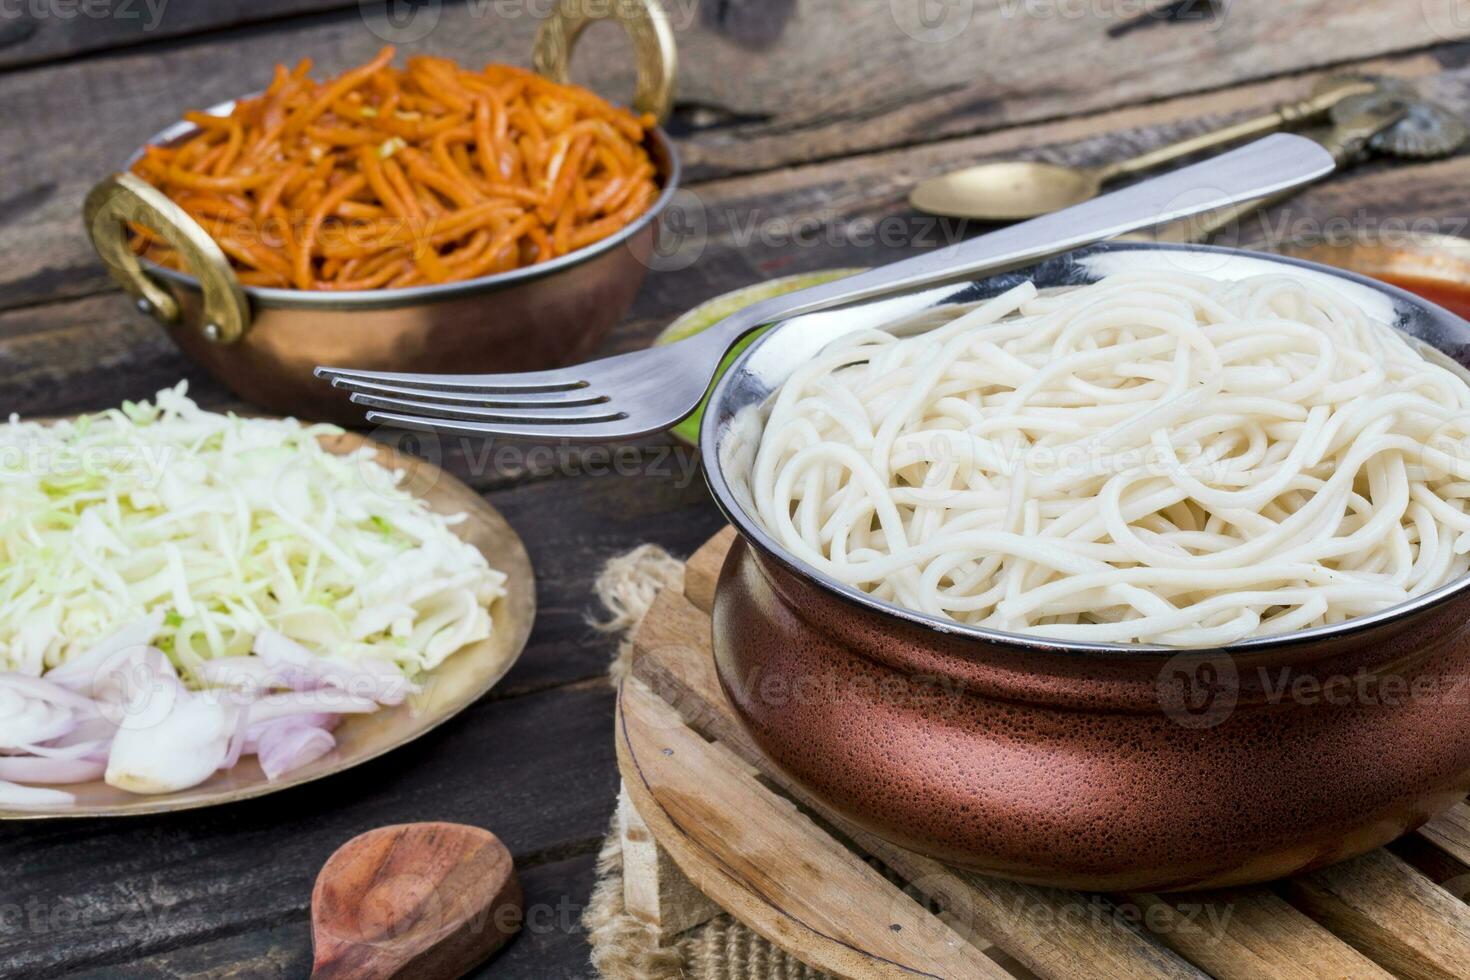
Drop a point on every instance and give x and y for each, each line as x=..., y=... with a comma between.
x=831, y=80
x=803, y=123
x=842, y=913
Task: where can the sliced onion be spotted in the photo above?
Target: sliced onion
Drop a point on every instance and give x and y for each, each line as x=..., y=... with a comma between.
x=14, y=794
x=382, y=682
x=33, y=710
x=254, y=676
x=96, y=731
x=324, y=701
x=44, y=689
x=237, y=740
x=289, y=743
x=138, y=688
x=181, y=749
x=326, y=722
x=34, y=769
x=77, y=750
x=26, y=720
x=120, y=712
x=81, y=673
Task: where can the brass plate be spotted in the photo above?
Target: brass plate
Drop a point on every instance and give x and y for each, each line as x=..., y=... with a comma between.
x=458, y=682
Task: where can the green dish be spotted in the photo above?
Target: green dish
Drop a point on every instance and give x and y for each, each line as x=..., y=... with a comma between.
x=710, y=312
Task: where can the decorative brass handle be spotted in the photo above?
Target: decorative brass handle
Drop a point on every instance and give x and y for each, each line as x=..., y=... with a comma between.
x=124, y=197
x=648, y=28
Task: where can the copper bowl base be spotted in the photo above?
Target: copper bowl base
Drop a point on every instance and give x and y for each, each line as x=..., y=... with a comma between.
x=528, y=325
x=1091, y=771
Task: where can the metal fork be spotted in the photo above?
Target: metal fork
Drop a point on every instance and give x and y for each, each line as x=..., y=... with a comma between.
x=648, y=390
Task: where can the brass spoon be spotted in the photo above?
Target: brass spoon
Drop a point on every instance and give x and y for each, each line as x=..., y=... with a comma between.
x=1010, y=190
x=417, y=901
x=1348, y=141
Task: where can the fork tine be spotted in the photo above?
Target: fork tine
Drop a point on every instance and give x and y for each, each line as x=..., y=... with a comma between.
x=561, y=379
x=578, y=432
x=575, y=396
x=516, y=414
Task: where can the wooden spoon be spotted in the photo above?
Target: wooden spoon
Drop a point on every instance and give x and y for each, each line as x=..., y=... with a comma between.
x=416, y=900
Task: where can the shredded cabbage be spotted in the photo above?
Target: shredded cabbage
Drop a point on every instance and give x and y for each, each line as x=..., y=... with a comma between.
x=227, y=526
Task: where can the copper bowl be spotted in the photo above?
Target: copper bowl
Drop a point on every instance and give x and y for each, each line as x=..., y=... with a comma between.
x=263, y=343
x=1088, y=765
x=540, y=316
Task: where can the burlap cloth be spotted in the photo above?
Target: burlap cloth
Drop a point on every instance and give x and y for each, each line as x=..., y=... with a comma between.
x=624, y=948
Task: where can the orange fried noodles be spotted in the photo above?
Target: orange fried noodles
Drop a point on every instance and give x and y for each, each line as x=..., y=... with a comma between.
x=382, y=178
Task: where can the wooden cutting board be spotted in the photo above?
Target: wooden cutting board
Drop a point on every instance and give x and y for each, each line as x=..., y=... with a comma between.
x=754, y=841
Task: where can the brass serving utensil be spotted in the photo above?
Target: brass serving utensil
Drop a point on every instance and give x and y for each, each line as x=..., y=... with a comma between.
x=1009, y=190
x=1348, y=141
x=1427, y=131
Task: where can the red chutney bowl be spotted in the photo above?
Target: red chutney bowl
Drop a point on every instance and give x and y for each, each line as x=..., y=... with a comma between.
x=1088, y=765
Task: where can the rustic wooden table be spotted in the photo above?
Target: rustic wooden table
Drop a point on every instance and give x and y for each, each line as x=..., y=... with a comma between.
x=801, y=126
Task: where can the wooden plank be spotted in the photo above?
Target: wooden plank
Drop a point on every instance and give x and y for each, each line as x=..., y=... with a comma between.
x=1393, y=914
x=552, y=944
x=1248, y=934
x=837, y=80
x=702, y=570
x=1391, y=203
x=769, y=864
x=851, y=213
x=854, y=212
x=1014, y=62
x=1450, y=832
x=572, y=525
x=36, y=32
x=538, y=770
x=88, y=357
x=1053, y=933
x=552, y=947
x=848, y=214
x=654, y=889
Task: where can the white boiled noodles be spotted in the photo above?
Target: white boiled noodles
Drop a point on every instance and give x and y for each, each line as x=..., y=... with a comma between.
x=1161, y=458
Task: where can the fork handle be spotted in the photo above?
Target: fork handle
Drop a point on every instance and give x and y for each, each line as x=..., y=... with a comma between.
x=1264, y=167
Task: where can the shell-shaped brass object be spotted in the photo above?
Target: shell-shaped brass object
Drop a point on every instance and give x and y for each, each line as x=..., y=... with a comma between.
x=1428, y=129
